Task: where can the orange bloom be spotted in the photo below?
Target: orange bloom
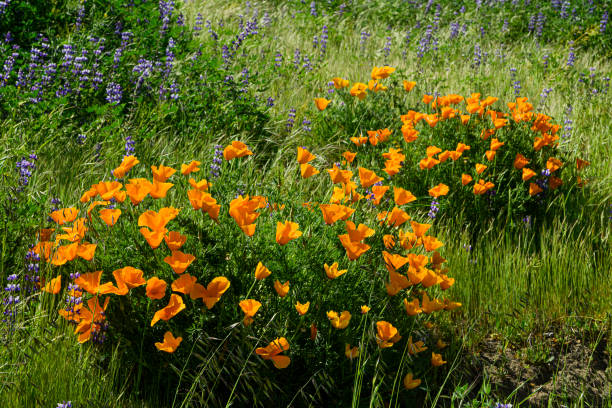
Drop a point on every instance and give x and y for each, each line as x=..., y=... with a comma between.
x=162, y=173
x=272, y=351
x=201, y=185
x=353, y=249
x=110, y=216
x=387, y=335
x=416, y=347
x=179, y=261
x=184, y=284
x=430, y=306
x=553, y=164
x=359, y=90
x=409, y=133
x=419, y=229
x=351, y=353
x=190, y=168
x=480, y=168
x=91, y=318
x=261, y=272
x=349, y=156
x=466, y=179
x=201, y=200
x=389, y=241
x=581, y=164
x=236, y=150
x=358, y=233
x=410, y=382
x=339, y=321
x=338, y=175
x=365, y=309
x=321, y=103
x=159, y=189
x=412, y=308
x=340, y=83
x=359, y=140
x=382, y=72
x=490, y=155
x=174, y=240
x=534, y=189
x=212, y=293
x=302, y=309
x=427, y=99
x=86, y=251
x=281, y=288
x=250, y=308
x=54, y=286
x=368, y=177
x=89, y=282
x=496, y=144
x=286, y=232
x=528, y=173
x=431, y=243
x=156, y=288
x=439, y=190
x=332, y=271
x=138, y=189
x=170, y=343
x=436, y=360
x=126, y=164
x=428, y=163
x=408, y=85
x=307, y=171
x=175, y=306
x=304, y=156
x=64, y=215
x=554, y=182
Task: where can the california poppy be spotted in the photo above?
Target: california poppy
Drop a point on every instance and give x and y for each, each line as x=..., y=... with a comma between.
x=359, y=90
x=349, y=156
x=54, y=285
x=387, y=335
x=332, y=271
x=339, y=321
x=412, y=308
x=436, y=360
x=410, y=382
x=534, y=189
x=528, y=173
x=184, y=284
x=170, y=343
x=286, y=232
x=90, y=319
x=64, y=215
x=321, y=103
x=340, y=83
x=415, y=347
x=439, y=190
x=466, y=179
x=156, y=288
x=160, y=189
x=358, y=233
x=174, y=240
x=190, y=168
x=480, y=168
x=175, y=306
x=272, y=352
x=179, y=261
x=250, y=308
x=202, y=185
x=408, y=85
x=432, y=305
x=364, y=309
x=382, y=72
x=212, y=293
x=138, y=189
x=282, y=289
x=351, y=353
x=302, y=308
x=126, y=164
x=304, y=156
x=307, y=171
x=162, y=173
x=261, y=272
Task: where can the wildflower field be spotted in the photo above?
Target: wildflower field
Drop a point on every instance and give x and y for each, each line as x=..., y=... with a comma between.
x=305, y=203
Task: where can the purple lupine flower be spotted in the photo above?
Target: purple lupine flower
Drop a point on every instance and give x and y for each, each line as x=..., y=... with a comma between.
x=540, y=25
x=544, y=95
x=290, y=120
x=306, y=125
x=532, y=23
x=545, y=62
x=129, y=146
x=563, y=12
x=387, y=47
x=425, y=42
x=306, y=63
x=341, y=9
x=270, y=102
x=323, y=41
x=505, y=26
x=313, y=9
x=278, y=60
x=25, y=169
x=180, y=20
x=113, y=93
x=454, y=30
x=604, y=22
x=363, y=39
x=567, y=122
x=174, y=91
x=80, y=14
x=64, y=404
x=296, y=59
x=198, y=23
x=433, y=209
x=81, y=139
x=3, y=5
x=571, y=57
x=477, y=57
x=215, y=167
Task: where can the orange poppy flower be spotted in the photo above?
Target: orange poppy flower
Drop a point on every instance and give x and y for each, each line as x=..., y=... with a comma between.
x=490, y=155
x=432, y=305
x=202, y=185
x=339, y=321
x=534, y=189
x=338, y=175
x=159, y=189
x=321, y=103
x=412, y=308
x=554, y=182
x=54, y=286
x=528, y=173
x=439, y=190
x=432, y=119
x=378, y=192
x=302, y=309
x=382, y=72
x=110, y=216
x=428, y=163
x=282, y=289
x=408, y=85
x=351, y=353
x=393, y=262
x=65, y=253
x=179, y=261
x=93, y=205
x=496, y=144
x=86, y=251
x=349, y=156
x=410, y=382
x=64, y=215
x=397, y=217
x=128, y=278
x=156, y=288
x=364, y=309
x=436, y=360
x=287, y=231
x=368, y=177
x=175, y=306
x=409, y=133
x=43, y=249
x=431, y=243
x=91, y=318
x=480, y=168
x=138, y=189
x=388, y=241
x=261, y=272
x=359, y=140
x=466, y=179
x=212, y=293
x=419, y=229
x=427, y=99
x=332, y=271
x=174, y=240
x=353, y=249
x=272, y=352
x=581, y=164
x=184, y=284
x=201, y=200
x=553, y=164
x=307, y=171
x=250, y=308
x=387, y=335
x=89, y=282
x=358, y=233
x=242, y=210
x=340, y=83
x=304, y=156
x=190, y=168
x=170, y=343
x=359, y=90
x=520, y=161
x=162, y=173
x=396, y=283
x=126, y=164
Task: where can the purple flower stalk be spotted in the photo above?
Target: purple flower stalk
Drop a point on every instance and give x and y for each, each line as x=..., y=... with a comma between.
x=215, y=167
x=290, y=120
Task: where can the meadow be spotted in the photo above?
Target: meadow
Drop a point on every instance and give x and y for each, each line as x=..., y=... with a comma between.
x=288, y=203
